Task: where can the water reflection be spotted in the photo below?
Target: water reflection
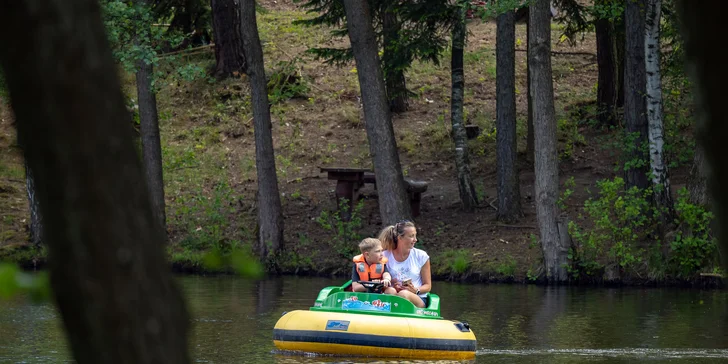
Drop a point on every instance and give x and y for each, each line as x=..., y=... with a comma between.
x=232, y=321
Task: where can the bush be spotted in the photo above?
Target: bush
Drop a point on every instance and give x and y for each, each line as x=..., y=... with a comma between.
x=622, y=222
x=694, y=246
x=345, y=237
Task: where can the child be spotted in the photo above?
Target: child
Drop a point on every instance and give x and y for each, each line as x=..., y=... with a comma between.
x=370, y=265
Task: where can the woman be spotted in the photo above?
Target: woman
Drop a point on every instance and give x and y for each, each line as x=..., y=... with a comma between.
x=407, y=262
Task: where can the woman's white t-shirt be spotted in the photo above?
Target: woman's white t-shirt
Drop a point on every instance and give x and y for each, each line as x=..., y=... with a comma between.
x=410, y=268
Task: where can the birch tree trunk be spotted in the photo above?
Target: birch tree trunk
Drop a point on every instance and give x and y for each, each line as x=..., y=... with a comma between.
x=393, y=200
x=270, y=217
x=660, y=180
x=635, y=106
x=509, y=192
x=111, y=282
x=546, y=164
x=468, y=197
x=701, y=20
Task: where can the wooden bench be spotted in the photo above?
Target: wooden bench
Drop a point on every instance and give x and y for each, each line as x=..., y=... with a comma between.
x=350, y=180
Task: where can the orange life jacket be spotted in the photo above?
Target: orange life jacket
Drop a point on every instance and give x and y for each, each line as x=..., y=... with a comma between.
x=369, y=272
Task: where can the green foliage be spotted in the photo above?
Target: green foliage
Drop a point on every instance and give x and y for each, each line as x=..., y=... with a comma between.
x=205, y=220
x=241, y=260
x=694, y=247
x=286, y=82
x=567, y=192
x=15, y=282
x=422, y=33
x=345, y=237
x=507, y=266
x=622, y=220
x=569, y=136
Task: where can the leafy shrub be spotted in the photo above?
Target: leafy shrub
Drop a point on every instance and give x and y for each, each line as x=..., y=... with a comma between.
x=345, y=237
x=622, y=220
x=286, y=82
x=694, y=246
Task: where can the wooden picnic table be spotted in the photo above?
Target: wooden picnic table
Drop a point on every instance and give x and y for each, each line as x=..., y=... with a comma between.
x=348, y=183
x=350, y=180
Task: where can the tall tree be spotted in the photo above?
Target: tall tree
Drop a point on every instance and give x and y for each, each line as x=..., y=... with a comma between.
x=658, y=167
x=607, y=62
x=509, y=193
x=468, y=197
x=111, y=283
x=635, y=107
x=393, y=200
x=529, y=119
x=701, y=21
x=698, y=178
x=395, y=82
x=405, y=31
x=228, y=37
x=149, y=128
x=36, y=221
x=546, y=164
x=270, y=217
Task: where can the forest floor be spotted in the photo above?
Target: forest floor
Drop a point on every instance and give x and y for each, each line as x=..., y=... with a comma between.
x=209, y=160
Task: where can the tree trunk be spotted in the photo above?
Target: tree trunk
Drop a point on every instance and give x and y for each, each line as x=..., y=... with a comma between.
x=660, y=180
x=546, y=164
x=468, y=196
x=36, y=221
x=635, y=106
x=697, y=181
x=607, y=64
x=151, y=146
x=393, y=200
x=509, y=193
x=393, y=75
x=701, y=20
x=110, y=280
x=530, y=150
x=619, y=40
x=226, y=27
x=270, y=218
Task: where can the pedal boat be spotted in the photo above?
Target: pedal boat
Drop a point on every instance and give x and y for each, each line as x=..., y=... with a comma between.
x=346, y=323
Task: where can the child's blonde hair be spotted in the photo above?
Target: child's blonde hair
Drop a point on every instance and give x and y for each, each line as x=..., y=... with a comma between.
x=368, y=244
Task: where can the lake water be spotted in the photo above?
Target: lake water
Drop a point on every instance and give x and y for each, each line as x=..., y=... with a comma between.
x=233, y=319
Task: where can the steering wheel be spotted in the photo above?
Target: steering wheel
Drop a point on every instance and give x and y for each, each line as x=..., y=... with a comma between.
x=372, y=287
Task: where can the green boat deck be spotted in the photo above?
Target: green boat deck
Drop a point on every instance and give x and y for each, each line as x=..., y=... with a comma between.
x=342, y=299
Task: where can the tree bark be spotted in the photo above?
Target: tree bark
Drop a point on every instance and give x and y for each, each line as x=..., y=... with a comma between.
x=619, y=40
x=393, y=200
x=151, y=145
x=396, y=85
x=607, y=63
x=698, y=179
x=529, y=137
x=701, y=21
x=110, y=280
x=660, y=180
x=270, y=217
x=36, y=221
x=546, y=165
x=227, y=30
x=509, y=193
x=635, y=106
x=468, y=196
